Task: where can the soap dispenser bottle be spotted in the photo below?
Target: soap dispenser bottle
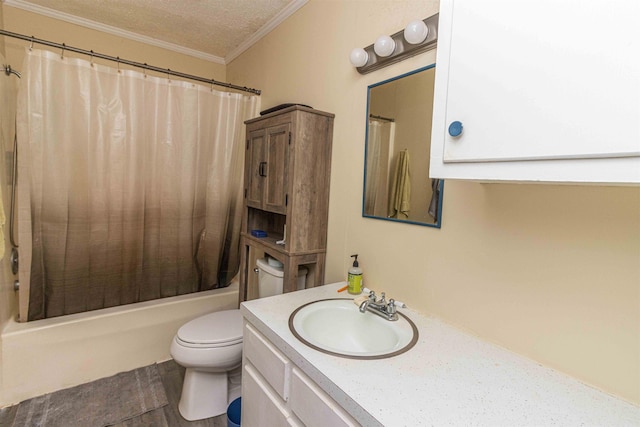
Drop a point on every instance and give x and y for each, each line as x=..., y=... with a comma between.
x=354, y=280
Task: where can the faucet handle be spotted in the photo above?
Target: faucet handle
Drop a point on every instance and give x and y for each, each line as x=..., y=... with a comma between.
x=391, y=307
x=372, y=296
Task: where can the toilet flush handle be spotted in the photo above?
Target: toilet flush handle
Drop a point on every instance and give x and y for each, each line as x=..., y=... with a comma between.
x=255, y=270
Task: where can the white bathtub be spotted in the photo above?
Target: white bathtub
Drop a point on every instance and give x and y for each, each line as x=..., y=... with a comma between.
x=46, y=355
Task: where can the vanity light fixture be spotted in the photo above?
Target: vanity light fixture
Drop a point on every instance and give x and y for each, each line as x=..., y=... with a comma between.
x=358, y=57
x=384, y=46
x=417, y=37
x=416, y=32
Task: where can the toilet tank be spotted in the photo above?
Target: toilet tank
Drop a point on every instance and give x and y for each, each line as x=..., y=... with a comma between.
x=270, y=277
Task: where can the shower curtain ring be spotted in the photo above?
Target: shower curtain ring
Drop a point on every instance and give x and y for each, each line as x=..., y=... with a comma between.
x=62, y=51
x=169, y=74
x=118, y=59
x=91, y=58
x=31, y=44
x=144, y=70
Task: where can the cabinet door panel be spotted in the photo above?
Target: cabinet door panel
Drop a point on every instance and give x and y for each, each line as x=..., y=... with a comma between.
x=276, y=157
x=542, y=79
x=262, y=406
x=254, y=158
x=271, y=364
x=313, y=406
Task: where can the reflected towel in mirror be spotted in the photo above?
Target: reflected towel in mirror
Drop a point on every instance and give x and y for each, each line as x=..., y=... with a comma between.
x=400, y=200
x=435, y=197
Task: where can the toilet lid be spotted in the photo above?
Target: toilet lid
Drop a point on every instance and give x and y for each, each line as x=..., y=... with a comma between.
x=221, y=328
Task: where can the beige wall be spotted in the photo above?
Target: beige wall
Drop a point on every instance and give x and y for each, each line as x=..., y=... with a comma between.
x=548, y=271
x=32, y=24
x=1, y=38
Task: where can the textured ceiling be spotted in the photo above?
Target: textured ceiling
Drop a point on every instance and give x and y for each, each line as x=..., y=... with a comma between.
x=214, y=27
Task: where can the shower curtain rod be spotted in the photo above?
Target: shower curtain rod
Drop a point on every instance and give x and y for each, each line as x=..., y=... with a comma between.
x=124, y=61
x=373, y=116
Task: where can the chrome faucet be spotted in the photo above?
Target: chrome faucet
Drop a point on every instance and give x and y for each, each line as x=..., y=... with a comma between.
x=380, y=307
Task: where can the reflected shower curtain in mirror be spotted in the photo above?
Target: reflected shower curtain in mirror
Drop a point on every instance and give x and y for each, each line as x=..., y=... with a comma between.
x=130, y=185
x=380, y=142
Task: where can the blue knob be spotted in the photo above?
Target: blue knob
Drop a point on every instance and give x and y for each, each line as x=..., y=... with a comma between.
x=455, y=128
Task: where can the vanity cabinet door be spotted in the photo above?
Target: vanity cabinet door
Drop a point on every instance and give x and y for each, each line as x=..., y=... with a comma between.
x=271, y=364
x=261, y=406
x=537, y=81
x=313, y=406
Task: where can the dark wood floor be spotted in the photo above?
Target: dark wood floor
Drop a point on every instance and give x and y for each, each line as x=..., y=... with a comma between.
x=172, y=376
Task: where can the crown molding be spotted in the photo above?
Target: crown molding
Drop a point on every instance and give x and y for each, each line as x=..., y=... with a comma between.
x=266, y=29
x=21, y=4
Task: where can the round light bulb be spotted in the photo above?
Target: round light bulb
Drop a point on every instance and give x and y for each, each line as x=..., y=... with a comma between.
x=416, y=32
x=358, y=57
x=384, y=46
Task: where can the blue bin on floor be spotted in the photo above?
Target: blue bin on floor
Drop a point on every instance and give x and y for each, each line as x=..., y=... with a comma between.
x=233, y=413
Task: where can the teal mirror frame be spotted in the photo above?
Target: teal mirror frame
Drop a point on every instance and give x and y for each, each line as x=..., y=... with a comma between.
x=439, y=184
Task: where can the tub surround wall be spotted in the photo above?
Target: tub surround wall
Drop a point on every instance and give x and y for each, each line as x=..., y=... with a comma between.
x=8, y=301
x=548, y=271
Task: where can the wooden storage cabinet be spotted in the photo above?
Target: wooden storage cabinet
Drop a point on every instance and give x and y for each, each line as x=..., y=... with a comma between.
x=287, y=175
x=536, y=100
x=277, y=393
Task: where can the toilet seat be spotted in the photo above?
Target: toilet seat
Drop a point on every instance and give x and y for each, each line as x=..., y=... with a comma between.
x=219, y=329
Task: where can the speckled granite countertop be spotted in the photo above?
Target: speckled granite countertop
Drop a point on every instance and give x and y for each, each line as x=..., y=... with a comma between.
x=448, y=378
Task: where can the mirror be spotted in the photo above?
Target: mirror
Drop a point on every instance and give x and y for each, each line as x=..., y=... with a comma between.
x=397, y=186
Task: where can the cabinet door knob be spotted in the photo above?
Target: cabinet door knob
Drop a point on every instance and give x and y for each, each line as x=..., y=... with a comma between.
x=455, y=128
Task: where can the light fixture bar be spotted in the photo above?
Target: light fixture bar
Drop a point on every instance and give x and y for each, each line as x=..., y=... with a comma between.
x=403, y=49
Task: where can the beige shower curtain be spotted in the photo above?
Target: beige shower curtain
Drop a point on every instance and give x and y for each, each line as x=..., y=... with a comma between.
x=130, y=186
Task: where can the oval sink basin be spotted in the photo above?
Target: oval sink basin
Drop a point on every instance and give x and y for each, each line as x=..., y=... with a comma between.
x=336, y=327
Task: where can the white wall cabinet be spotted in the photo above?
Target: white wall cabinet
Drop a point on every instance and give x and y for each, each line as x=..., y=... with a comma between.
x=544, y=90
x=277, y=393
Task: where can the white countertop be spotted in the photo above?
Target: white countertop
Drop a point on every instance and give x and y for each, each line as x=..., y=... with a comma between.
x=448, y=378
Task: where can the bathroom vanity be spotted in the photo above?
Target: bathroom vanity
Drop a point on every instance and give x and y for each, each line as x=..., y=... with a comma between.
x=276, y=392
x=447, y=378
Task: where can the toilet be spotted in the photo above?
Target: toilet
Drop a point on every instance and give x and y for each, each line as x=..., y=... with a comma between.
x=210, y=348
x=270, y=277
